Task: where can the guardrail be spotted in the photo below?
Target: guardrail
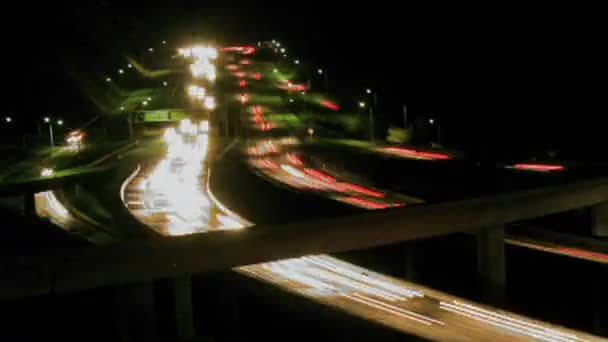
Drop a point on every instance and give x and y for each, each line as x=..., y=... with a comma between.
x=124, y=184
x=148, y=260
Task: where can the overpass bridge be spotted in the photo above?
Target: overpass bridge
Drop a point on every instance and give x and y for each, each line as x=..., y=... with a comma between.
x=175, y=257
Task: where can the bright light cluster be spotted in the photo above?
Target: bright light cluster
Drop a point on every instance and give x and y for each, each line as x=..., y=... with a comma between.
x=196, y=92
x=202, y=66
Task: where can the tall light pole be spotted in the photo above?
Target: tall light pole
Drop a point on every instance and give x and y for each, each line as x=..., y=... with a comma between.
x=324, y=73
x=50, y=122
x=371, y=120
x=372, y=107
x=435, y=123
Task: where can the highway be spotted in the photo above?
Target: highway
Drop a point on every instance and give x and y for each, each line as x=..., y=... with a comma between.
x=396, y=303
x=171, y=196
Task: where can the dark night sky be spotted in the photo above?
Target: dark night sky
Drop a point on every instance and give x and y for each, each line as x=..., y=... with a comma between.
x=507, y=76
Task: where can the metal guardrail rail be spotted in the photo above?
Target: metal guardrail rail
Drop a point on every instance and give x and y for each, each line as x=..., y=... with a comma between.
x=94, y=267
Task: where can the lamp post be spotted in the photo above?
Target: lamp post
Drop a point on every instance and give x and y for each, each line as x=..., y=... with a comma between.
x=324, y=74
x=371, y=120
x=433, y=122
x=372, y=107
x=50, y=122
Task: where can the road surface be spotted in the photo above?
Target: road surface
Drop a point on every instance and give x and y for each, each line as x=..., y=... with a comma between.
x=181, y=204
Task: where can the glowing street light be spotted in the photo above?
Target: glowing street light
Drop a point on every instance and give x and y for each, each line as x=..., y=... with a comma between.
x=362, y=104
x=290, y=100
x=297, y=61
x=278, y=44
x=320, y=71
x=431, y=121
x=59, y=122
x=274, y=41
x=311, y=131
x=275, y=70
x=151, y=49
x=122, y=108
x=165, y=83
x=8, y=119
x=164, y=42
x=149, y=98
x=108, y=79
x=369, y=91
x=129, y=65
x=282, y=50
x=145, y=103
x=47, y=119
x=120, y=71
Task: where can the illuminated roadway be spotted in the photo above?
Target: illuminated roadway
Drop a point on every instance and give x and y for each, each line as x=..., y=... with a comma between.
x=399, y=304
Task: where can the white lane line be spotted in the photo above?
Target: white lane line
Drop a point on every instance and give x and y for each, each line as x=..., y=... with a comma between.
x=405, y=311
x=392, y=311
x=505, y=323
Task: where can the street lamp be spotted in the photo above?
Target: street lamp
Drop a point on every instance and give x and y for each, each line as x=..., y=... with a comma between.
x=368, y=91
x=129, y=65
x=145, y=103
x=165, y=83
x=282, y=50
x=120, y=71
x=48, y=121
x=149, y=98
x=371, y=120
x=275, y=70
x=436, y=124
x=151, y=49
x=8, y=119
x=122, y=108
x=278, y=44
x=164, y=42
x=321, y=72
x=297, y=61
x=108, y=79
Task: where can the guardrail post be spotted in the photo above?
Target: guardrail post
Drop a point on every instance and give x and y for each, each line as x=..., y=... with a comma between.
x=184, y=318
x=599, y=219
x=491, y=261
